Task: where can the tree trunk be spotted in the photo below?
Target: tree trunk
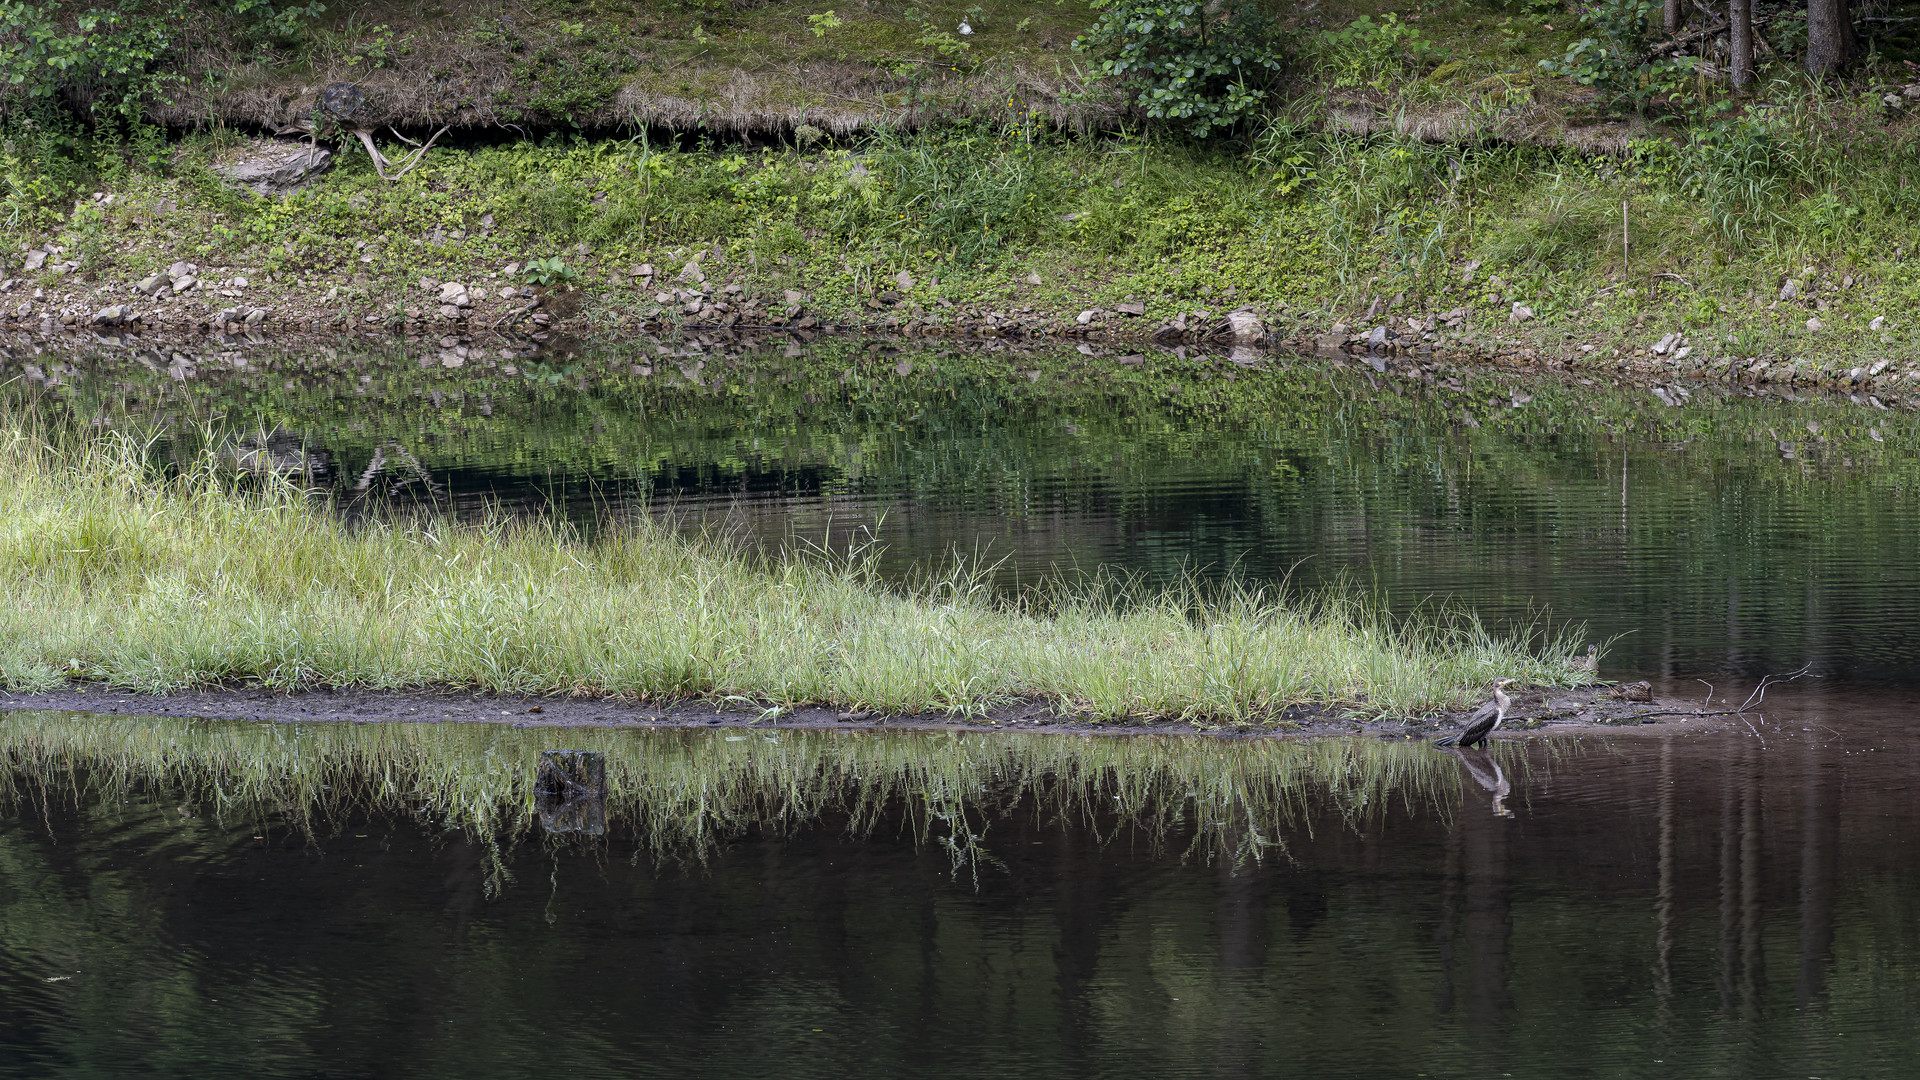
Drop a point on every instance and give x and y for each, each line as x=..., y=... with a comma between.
x=1671, y=16
x=1830, y=41
x=1740, y=42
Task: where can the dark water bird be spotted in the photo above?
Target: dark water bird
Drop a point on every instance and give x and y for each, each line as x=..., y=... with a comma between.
x=1484, y=719
x=1589, y=662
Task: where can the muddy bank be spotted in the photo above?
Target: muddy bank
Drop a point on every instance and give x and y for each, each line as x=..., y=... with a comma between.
x=1536, y=711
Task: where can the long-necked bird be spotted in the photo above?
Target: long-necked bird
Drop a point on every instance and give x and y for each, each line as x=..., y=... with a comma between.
x=1484, y=721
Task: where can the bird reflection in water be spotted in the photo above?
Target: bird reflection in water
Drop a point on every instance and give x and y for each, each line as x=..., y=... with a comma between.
x=1487, y=773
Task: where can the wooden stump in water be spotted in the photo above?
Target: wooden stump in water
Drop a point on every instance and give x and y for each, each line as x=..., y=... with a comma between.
x=570, y=793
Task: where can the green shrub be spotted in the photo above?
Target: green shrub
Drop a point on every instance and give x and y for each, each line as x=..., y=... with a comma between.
x=1615, y=61
x=1202, y=68
x=1368, y=53
x=104, y=64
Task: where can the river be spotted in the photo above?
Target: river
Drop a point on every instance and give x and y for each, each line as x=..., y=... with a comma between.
x=198, y=898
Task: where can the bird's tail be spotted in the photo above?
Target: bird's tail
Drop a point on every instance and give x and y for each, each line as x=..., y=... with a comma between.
x=1450, y=740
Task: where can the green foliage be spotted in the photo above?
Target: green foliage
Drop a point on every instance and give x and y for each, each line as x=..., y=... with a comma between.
x=823, y=22
x=1614, y=60
x=937, y=39
x=966, y=192
x=283, y=21
x=548, y=271
x=43, y=162
x=107, y=64
x=1368, y=53
x=1181, y=62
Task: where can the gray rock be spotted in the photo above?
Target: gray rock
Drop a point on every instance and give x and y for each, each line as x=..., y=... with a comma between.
x=454, y=293
x=1790, y=290
x=1086, y=317
x=795, y=298
x=256, y=316
x=1878, y=322
x=904, y=280
x=1378, y=338
x=1814, y=324
x=1131, y=308
x=692, y=274
x=1245, y=326
x=183, y=283
x=112, y=315
x=36, y=260
x=152, y=283
x=181, y=269
x=1521, y=313
x=1033, y=278
x=276, y=168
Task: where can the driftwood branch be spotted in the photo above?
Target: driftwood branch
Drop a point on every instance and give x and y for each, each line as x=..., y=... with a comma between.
x=408, y=164
x=1760, y=692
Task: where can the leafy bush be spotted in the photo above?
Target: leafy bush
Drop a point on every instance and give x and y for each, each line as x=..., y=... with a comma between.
x=1368, y=53
x=1183, y=62
x=1615, y=61
x=103, y=64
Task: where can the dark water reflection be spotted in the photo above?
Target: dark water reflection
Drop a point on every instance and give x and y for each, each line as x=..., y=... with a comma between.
x=1744, y=903
x=1722, y=535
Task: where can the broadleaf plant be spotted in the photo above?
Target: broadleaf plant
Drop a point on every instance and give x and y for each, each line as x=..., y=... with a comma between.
x=1201, y=67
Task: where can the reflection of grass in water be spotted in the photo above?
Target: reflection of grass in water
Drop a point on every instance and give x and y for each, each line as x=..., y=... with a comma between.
x=683, y=794
x=109, y=574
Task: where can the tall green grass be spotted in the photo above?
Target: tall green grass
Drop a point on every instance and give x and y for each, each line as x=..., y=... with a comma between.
x=112, y=574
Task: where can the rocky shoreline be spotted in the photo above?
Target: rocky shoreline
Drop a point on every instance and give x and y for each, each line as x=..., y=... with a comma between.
x=179, y=308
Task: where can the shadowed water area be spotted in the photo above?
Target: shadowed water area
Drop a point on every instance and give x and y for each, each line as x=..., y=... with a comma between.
x=206, y=899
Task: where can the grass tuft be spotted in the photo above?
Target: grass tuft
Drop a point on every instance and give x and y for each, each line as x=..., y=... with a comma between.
x=152, y=584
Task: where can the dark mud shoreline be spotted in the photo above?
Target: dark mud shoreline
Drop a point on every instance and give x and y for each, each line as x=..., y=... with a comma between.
x=1536, y=711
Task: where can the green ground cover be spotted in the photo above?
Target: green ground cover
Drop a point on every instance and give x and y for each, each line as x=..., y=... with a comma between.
x=1416, y=169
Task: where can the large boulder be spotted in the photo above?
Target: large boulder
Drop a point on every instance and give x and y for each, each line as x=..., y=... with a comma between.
x=275, y=168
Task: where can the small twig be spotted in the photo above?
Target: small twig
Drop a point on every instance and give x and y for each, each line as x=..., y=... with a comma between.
x=1760, y=692
x=1677, y=278
x=1709, y=687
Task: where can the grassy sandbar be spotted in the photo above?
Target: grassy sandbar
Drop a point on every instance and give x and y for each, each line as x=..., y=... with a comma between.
x=112, y=574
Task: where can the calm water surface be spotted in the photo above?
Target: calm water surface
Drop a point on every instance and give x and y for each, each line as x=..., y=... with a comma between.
x=1735, y=904
x=207, y=900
